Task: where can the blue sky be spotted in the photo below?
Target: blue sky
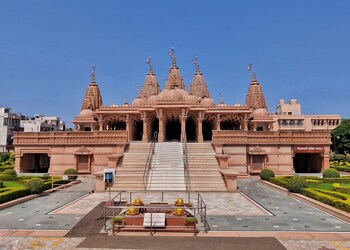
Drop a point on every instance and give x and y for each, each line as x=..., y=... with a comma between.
x=299, y=49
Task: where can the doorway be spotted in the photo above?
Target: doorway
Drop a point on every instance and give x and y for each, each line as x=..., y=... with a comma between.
x=191, y=129
x=307, y=163
x=173, y=130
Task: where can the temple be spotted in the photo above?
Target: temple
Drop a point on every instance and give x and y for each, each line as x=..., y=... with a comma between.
x=242, y=138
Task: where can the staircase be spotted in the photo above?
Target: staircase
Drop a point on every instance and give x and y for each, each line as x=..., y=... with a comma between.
x=129, y=173
x=167, y=171
x=204, y=170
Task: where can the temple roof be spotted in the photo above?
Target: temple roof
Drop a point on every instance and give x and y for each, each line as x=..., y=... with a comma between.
x=174, y=77
x=150, y=86
x=198, y=86
x=92, y=99
x=255, y=96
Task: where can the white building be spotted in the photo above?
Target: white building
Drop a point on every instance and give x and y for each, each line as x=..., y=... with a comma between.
x=43, y=123
x=9, y=122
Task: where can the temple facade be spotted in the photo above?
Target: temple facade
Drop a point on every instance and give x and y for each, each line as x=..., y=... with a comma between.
x=246, y=138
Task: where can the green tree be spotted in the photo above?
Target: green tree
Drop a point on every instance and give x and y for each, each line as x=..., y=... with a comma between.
x=341, y=137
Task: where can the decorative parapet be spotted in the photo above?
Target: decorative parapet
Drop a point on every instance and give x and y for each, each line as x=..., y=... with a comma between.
x=72, y=138
x=235, y=137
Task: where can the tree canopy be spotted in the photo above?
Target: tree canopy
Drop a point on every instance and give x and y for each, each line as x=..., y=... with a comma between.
x=341, y=137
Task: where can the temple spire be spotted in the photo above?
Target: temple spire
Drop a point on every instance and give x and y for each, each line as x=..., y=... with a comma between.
x=195, y=61
x=198, y=87
x=93, y=73
x=255, y=96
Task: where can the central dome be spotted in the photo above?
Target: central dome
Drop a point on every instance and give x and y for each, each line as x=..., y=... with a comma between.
x=173, y=95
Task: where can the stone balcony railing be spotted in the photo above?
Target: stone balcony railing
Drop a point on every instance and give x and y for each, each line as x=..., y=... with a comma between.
x=76, y=138
x=271, y=137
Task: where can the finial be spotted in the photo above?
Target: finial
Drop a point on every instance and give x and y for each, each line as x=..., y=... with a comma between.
x=250, y=68
x=138, y=91
x=195, y=61
x=149, y=62
x=220, y=99
x=171, y=54
x=125, y=99
x=254, y=76
x=93, y=73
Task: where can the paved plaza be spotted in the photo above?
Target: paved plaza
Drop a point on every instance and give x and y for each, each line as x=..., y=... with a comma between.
x=259, y=211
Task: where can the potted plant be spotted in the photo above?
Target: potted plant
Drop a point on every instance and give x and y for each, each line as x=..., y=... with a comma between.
x=119, y=221
x=190, y=221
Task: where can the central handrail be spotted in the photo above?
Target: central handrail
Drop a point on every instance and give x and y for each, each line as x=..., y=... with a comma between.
x=149, y=159
x=185, y=161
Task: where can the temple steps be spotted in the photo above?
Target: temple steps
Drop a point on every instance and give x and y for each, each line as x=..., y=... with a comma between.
x=129, y=173
x=203, y=168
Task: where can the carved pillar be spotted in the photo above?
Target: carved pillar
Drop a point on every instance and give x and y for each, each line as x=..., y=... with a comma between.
x=325, y=162
x=200, y=126
x=127, y=122
x=218, y=121
x=145, y=127
x=183, y=123
x=100, y=123
x=161, y=125
x=245, y=123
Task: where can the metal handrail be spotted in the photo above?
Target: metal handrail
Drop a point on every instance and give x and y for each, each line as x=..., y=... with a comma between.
x=149, y=159
x=185, y=161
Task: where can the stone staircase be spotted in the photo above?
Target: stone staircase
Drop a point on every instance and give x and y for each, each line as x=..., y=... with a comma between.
x=129, y=173
x=204, y=170
x=167, y=171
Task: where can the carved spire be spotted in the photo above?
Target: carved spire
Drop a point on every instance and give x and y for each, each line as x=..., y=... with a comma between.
x=198, y=86
x=150, y=85
x=92, y=99
x=174, y=70
x=255, y=96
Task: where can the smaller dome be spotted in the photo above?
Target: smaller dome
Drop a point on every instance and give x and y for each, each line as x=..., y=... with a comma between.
x=237, y=105
x=86, y=113
x=171, y=95
x=153, y=99
x=138, y=102
x=222, y=105
x=208, y=102
x=260, y=112
x=191, y=99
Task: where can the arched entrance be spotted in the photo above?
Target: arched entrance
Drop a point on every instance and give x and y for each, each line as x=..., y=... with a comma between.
x=173, y=130
x=116, y=125
x=137, y=130
x=154, y=127
x=35, y=163
x=307, y=163
x=191, y=129
x=207, y=130
x=230, y=125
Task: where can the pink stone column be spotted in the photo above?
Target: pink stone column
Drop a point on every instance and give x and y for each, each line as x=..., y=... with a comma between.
x=161, y=129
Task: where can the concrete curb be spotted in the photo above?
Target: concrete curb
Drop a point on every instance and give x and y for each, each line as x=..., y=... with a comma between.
x=33, y=196
x=345, y=216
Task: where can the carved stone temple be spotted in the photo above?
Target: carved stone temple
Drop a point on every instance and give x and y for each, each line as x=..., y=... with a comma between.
x=219, y=137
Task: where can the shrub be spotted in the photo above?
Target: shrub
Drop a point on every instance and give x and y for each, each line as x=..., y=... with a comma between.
x=5, y=167
x=296, y=183
x=266, y=174
x=36, y=185
x=71, y=171
x=13, y=193
x=10, y=172
x=117, y=220
x=190, y=220
x=1, y=184
x=339, y=157
x=331, y=173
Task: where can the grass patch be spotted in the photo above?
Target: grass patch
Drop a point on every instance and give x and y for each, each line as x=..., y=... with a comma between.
x=324, y=185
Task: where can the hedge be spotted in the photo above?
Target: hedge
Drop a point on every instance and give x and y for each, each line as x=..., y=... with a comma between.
x=344, y=179
x=266, y=174
x=3, y=168
x=1, y=184
x=327, y=199
x=279, y=181
x=341, y=168
x=13, y=193
x=338, y=188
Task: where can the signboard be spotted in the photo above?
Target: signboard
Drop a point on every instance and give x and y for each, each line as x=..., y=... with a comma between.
x=109, y=175
x=308, y=149
x=158, y=220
